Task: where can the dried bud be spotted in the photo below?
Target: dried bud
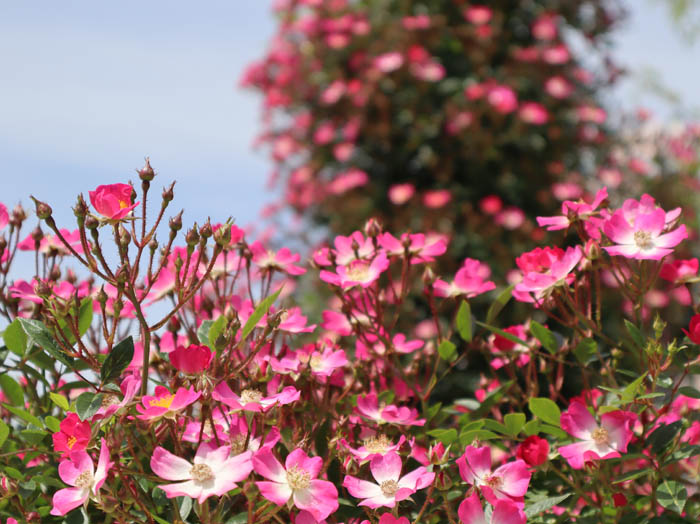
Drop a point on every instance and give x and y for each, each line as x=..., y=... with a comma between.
x=146, y=173
x=176, y=222
x=102, y=296
x=153, y=245
x=37, y=234
x=42, y=289
x=192, y=237
x=168, y=194
x=81, y=209
x=91, y=222
x=206, y=231
x=173, y=325
x=429, y=277
x=121, y=276
x=55, y=274
x=273, y=321
x=19, y=215
x=373, y=228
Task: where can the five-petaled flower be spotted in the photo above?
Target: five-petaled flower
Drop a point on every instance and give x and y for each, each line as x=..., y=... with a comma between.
x=113, y=201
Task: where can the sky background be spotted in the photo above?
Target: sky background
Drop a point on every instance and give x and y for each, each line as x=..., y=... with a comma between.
x=91, y=88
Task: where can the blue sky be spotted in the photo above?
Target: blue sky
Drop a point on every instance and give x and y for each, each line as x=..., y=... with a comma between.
x=90, y=88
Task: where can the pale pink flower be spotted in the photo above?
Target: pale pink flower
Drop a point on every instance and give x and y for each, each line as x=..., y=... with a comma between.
x=293, y=321
x=390, y=487
x=596, y=441
x=503, y=99
x=388, y=62
x=51, y=244
x=214, y=471
x=111, y=403
x=545, y=269
x=113, y=201
x=166, y=404
x=252, y=399
x=592, y=114
x=437, y=198
x=298, y=480
x=645, y=239
x=282, y=260
x=195, y=428
x=478, y=14
x=510, y=218
x=352, y=247
x=422, y=248
x=333, y=92
x=558, y=54
x=323, y=363
x=346, y=181
x=416, y=22
x=79, y=471
x=358, y=272
x=533, y=113
x=401, y=193
x=373, y=446
x=573, y=210
x=558, y=87
x=430, y=71
x=369, y=407
x=509, y=481
x=545, y=28
x=469, y=281
x=470, y=511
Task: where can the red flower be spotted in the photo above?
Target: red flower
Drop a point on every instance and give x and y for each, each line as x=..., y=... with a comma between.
x=693, y=330
x=74, y=434
x=533, y=450
x=619, y=500
x=192, y=359
x=113, y=201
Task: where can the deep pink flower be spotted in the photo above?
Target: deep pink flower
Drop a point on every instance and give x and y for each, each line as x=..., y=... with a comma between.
x=358, y=272
x=192, y=359
x=368, y=406
x=693, y=331
x=437, y=198
x=470, y=511
x=679, y=271
x=166, y=404
x=388, y=62
x=533, y=450
x=390, y=487
x=4, y=216
x=509, y=481
x=282, y=260
x=422, y=248
x=111, y=403
x=297, y=480
x=79, y=471
x=545, y=28
x=543, y=270
x=574, y=210
x=478, y=14
x=603, y=441
x=503, y=99
x=113, y=201
x=214, y=471
x=469, y=281
x=644, y=239
x=74, y=434
x=401, y=193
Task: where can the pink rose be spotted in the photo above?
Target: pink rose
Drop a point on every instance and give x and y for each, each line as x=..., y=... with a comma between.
x=192, y=359
x=113, y=201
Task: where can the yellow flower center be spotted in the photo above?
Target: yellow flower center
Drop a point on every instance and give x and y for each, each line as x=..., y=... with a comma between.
x=71, y=442
x=315, y=362
x=494, y=481
x=389, y=488
x=162, y=402
x=238, y=444
x=84, y=480
x=123, y=204
x=250, y=395
x=377, y=444
x=643, y=240
x=201, y=473
x=298, y=478
x=358, y=271
x=600, y=436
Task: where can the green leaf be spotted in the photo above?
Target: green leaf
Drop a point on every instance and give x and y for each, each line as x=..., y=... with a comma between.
x=545, y=409
x=635, y=334
x=38, y=333
x=59, y=400
x=203, y=332
x=663, y=436
x=447, y=351
x=12, y=389
x=446, y=436
x=259, y=312
x=630, y=392
x=24, y=415
x=4, y=432
x=632, y=475
x=15, y=338
x=689, y=392
x=501, y=300
x=464, y=321
x=33, y=436
x=87, y=405
x=545, y=336
x=586, y=351
x=52, y=423
x=217, y=328
x=532, y=427
x=672, y=495
x=543, y=505
x=514, y=423
x=117, y=360
x=467, y=437
x=85, y=315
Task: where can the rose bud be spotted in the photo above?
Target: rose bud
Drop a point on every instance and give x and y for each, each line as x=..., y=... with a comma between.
x=113, y=201
x=693, y=331
x=533, y=450
x=192, y=359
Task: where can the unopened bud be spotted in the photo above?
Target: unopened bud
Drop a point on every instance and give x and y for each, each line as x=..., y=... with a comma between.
x=102, y=296
x=443, y=481
x=275, y=320
x=373, y=228
x=37, y=234
x=42, y=289
x=176, y=222
x=173, y=325
x=55, y=274
x=153, y=245
x=168, y=194
x=192, y=236
x=19, y=215
x=206, y=231
x=81, y=209
x=91, y=222
x=43, y=210
x=124, y=237
x=429, y=277
x=146, y=173
x=222, y=236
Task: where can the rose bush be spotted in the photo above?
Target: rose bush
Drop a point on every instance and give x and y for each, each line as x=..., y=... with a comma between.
x=178, y=380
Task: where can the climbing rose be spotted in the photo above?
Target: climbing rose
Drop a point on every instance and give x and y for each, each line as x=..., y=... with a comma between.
x=74, y=434
x=533, y=450
x=113, y=201
x=504, y=512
